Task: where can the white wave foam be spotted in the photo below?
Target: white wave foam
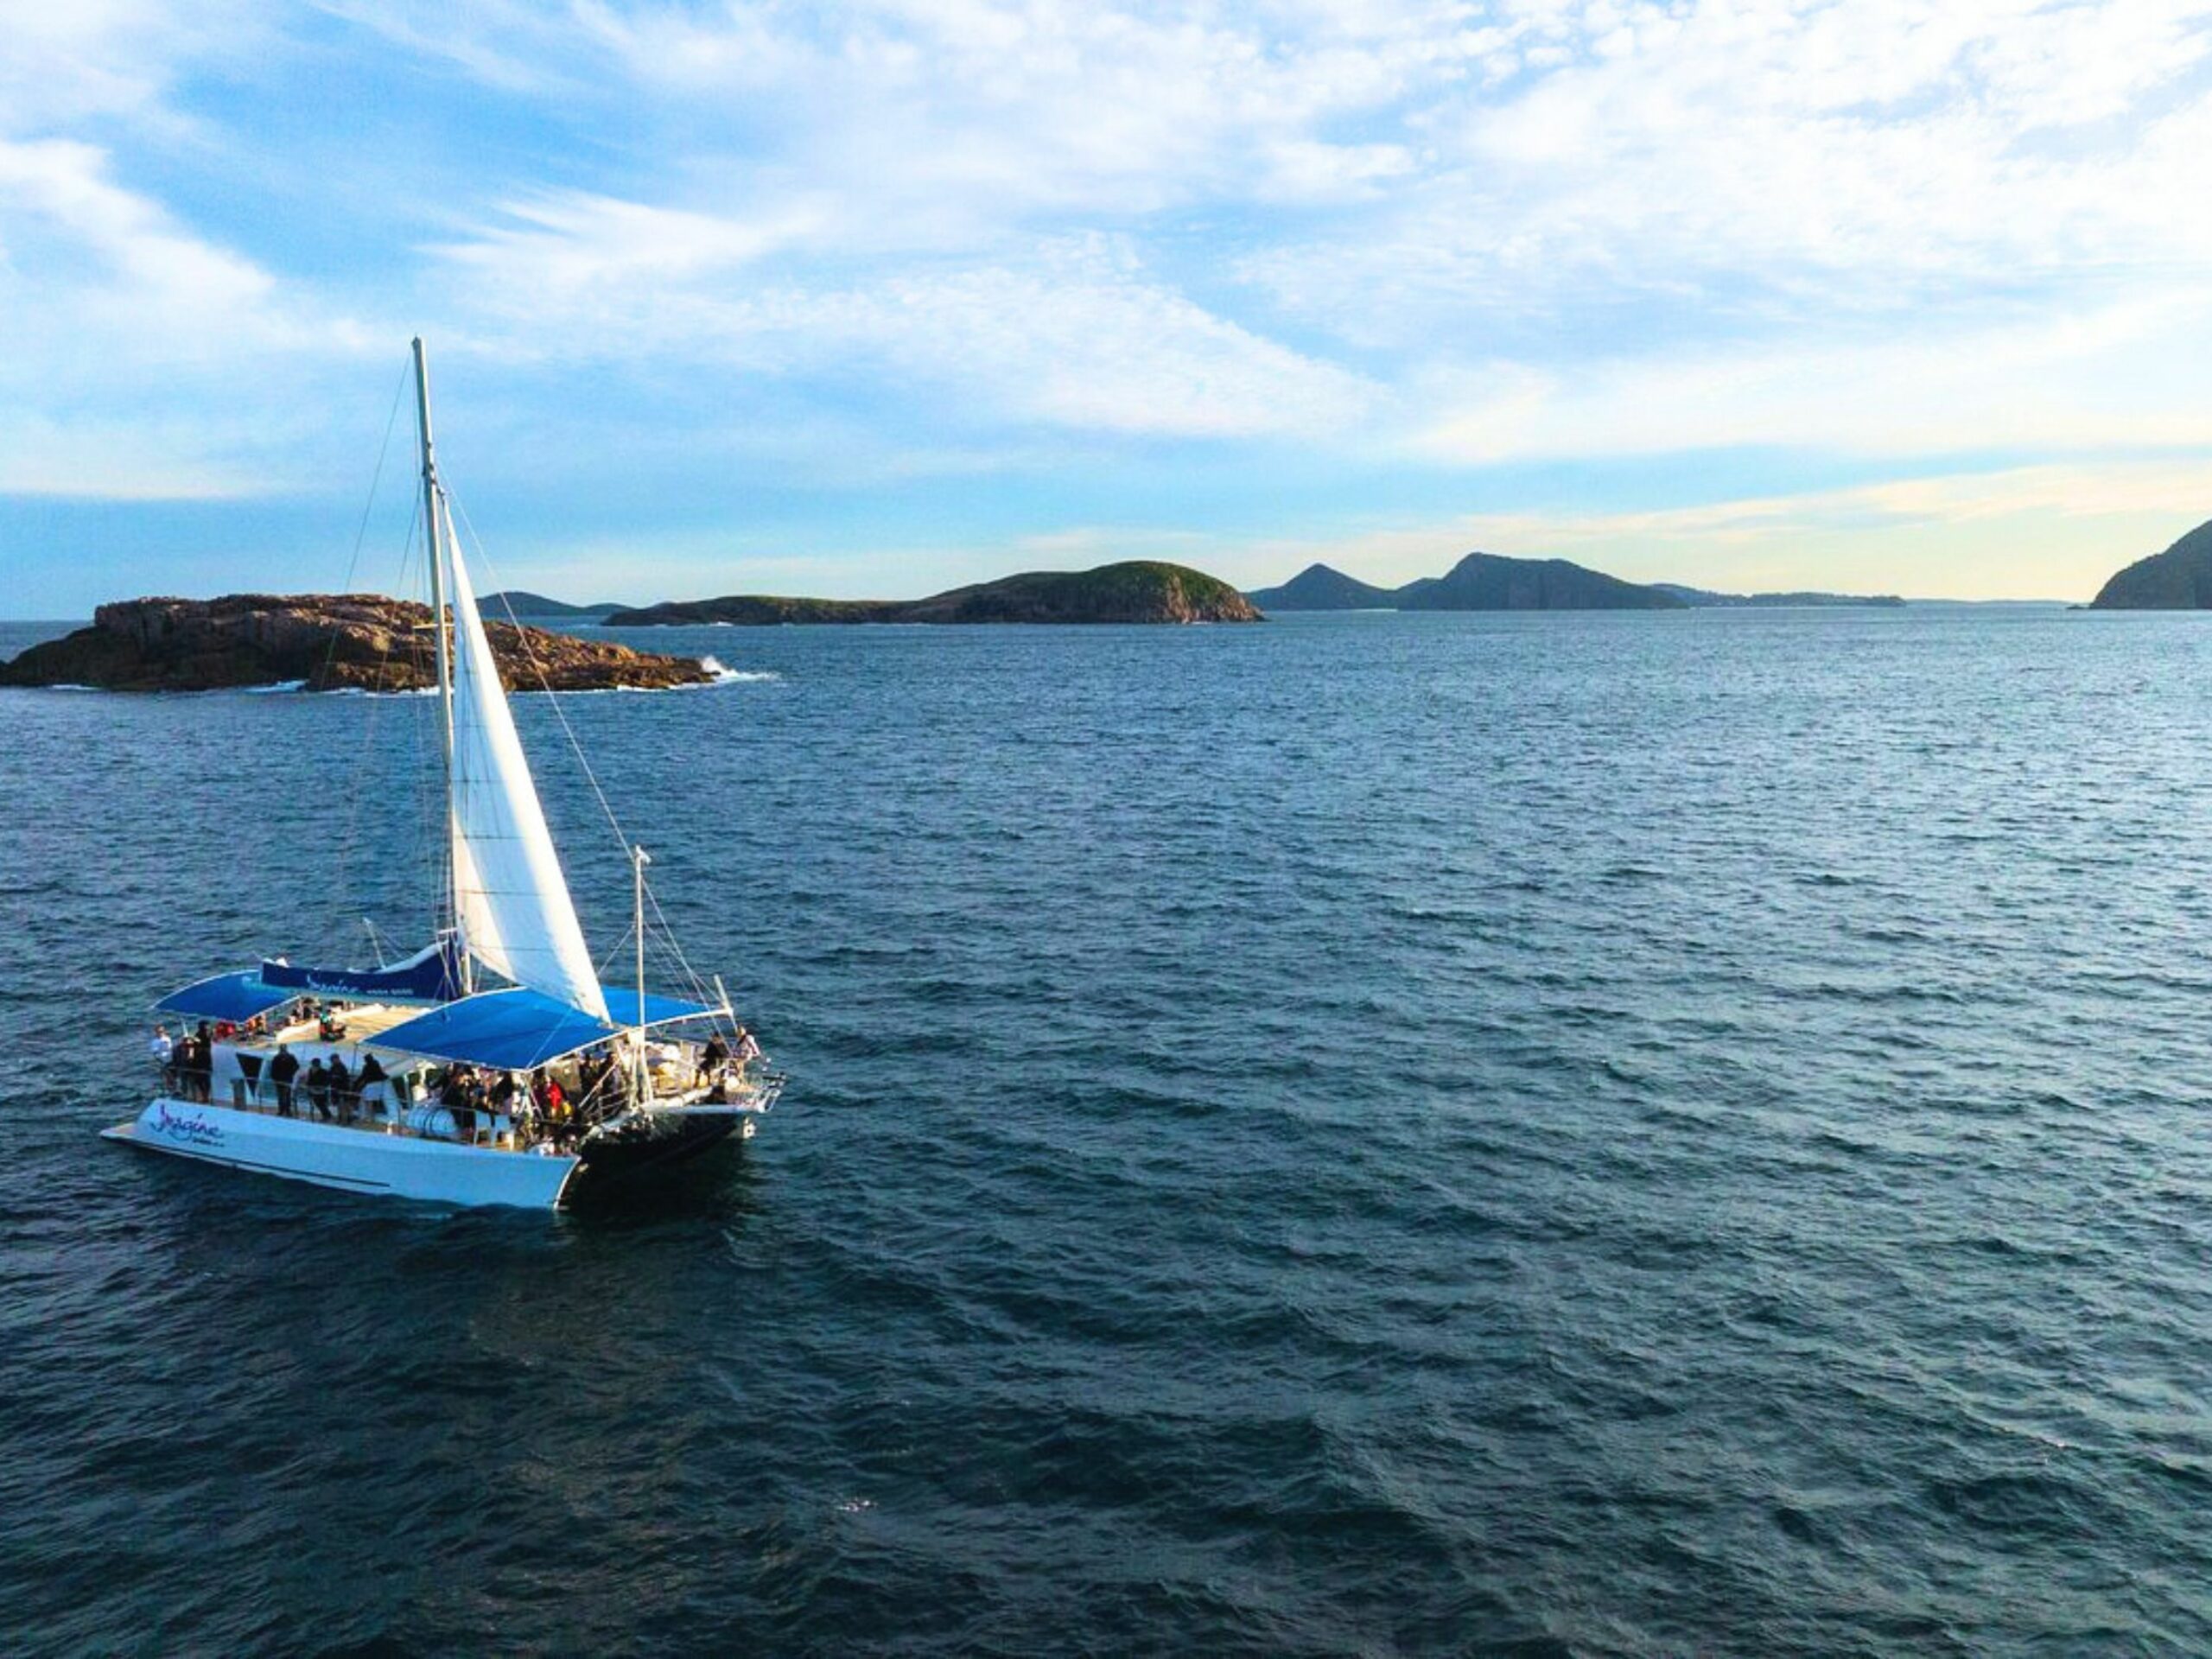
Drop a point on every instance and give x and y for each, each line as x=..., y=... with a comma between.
x=736, y=675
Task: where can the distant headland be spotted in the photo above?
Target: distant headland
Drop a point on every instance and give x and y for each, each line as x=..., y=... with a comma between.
x=1134, y=591
x=519, y=602
x=1490, y=581
x=322, y=642
x=2179, y=579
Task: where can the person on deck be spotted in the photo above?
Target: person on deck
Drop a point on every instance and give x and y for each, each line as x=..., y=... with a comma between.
x=164, y=1053
x=371, y=1083
x=281, y=1071
x=341, y=1089
x=552, y=1106
x=318, y=1087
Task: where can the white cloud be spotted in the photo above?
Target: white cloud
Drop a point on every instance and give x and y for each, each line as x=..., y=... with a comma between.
x=138, y=355
x=2124, y=376
x=85, y=59
x=1775, y=163
x=1071, y=333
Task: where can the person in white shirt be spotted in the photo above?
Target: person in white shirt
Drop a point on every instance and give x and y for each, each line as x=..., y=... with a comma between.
x=164, y=1053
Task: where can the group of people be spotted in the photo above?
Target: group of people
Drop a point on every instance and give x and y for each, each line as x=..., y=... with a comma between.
x=721, y=1063
x=187, y=1062
x=334, y=1091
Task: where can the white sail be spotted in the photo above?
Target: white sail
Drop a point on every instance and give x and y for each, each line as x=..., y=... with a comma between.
x=512, y=902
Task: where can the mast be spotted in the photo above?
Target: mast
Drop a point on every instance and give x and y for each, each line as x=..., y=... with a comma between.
x=639, y=860
x=433, y=518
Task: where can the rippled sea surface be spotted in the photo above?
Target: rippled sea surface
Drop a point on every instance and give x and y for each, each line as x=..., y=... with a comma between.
x=1559, y=1135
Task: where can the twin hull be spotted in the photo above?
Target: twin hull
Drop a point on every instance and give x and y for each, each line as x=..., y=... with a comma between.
x=355, y=1159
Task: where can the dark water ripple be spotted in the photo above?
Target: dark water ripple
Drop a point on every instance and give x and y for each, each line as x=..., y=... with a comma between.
x=1546, y=1136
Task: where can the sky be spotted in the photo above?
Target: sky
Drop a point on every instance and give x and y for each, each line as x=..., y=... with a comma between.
x=871, y=299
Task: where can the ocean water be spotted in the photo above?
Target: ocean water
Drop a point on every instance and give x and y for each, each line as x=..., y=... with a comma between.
x=1545, y=1136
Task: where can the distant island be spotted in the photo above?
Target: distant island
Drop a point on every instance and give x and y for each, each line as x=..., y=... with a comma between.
x=322, y=642
x=1490, y=581
x=1317, y=587
x=519, y=603
x=1702, y=597
x=1133, y=591
x=2179, y=579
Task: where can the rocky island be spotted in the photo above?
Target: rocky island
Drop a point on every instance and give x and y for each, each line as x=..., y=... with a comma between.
x=2179, y=579
x=324, y=642
x=1133, y=591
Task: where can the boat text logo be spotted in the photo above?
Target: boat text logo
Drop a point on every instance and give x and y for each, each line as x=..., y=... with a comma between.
x=196, y=1130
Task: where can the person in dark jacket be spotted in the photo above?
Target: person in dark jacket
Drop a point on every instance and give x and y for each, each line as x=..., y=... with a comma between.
x=318, y=1087
x=281, y=1071
x=195, y=1067
x=341, y=1089
x=374, y=1096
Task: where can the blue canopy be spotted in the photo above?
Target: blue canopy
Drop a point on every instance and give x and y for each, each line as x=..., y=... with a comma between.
x=226, y=997
x=517, y=1029
x=509, y=1031
x=431, y=975
x=622, y=1003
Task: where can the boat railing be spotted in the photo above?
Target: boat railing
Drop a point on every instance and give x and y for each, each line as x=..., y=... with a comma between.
x=392, y=1106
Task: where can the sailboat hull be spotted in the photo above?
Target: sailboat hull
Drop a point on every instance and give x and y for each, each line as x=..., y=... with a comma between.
x=350, y=1158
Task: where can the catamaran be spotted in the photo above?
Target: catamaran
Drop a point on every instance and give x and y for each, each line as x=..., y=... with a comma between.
x=491, y=1067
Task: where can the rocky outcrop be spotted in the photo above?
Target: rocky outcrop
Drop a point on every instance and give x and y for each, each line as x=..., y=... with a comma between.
x=325, y=641
x=2179, y=579
x=1135, y=591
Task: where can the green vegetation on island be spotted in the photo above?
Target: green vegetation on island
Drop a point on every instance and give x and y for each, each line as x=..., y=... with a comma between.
x=2179, y=579
x=517, y=602
x=1133, y=591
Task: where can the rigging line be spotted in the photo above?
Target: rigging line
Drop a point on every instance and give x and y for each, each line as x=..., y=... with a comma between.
x=667, y=934
x=621, y=836
x=361, y=532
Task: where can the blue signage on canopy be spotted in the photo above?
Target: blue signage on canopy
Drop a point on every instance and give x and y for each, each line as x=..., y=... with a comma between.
x=433, y=975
